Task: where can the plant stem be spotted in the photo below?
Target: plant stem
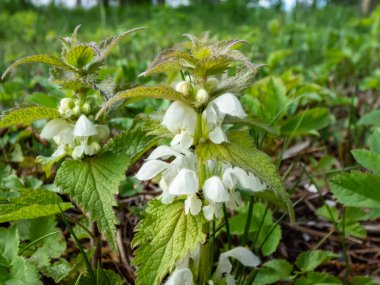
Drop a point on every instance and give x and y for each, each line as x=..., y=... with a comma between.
x=227, y=225
x=248, y=221
x=97, y=243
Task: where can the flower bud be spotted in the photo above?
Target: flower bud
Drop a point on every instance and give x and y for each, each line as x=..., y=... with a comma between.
x=66, y=103
x=95, y=147
x=86, y=108
x=76, y=110
x=202, y=96
x=211, y=83
x=184, y=87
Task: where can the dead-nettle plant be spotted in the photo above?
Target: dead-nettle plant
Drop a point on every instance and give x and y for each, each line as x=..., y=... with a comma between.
x=208, y=169
x=203, y=170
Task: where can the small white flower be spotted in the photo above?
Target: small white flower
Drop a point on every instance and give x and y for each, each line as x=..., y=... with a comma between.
x=202, y=96
x=215, y=191
x=182, y=276
x=211, y=210
x=216, y=110
x=151, y=169
x=185, y=183
x=84, y=127
x=193, y=205
x=181, y=120
x=224, y=268
x=62, y=132
x=184, y=87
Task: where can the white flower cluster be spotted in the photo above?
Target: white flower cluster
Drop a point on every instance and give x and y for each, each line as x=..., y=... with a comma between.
x=178, y=178
x=76, y=139
x=69, y=108
x=184, y=276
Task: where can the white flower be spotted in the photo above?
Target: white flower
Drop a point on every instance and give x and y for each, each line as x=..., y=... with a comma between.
x=181, y=120
x=211, y=210
x=182, y=276
x=184, y=87
x=62, y=132
x=237, y=177
x=216, y=110
x=84, y=127
x=224, y=268
x=215, y=191
x=178, y=177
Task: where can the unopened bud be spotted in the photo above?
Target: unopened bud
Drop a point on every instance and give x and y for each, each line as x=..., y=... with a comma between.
x=76, y=110
x=202, y=96
x=95, y=147
x=184, y=87
x=66, y=103
x=211, y=83
x=86, y=108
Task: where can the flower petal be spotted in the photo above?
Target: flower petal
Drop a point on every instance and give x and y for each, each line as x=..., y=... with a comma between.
x=245, y=256
x=229, y=104
x=218, y=136
x=163, y=152
x=84, y=127
x=215, y=191
x=182, y=276
x=185, y=183
x=54, y=128
x=179, y=117
x=193, y=204
x=150, y=169
x=208, y=212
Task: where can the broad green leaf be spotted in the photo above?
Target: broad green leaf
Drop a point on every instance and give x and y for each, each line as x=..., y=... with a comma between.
x=373, y=141
x=273, y=236
x=27, y=115
x=8, y=245
x=31, y=204
x=363, y=280
x=241, y=152
x=371, y=118
x=80, y=55
x=164, y=236
x=306, y=122
x=273, y=271
x=106, y=277
x=310, y=260
x=92, y=183
x=139, y=93
x=316, y=278
x=357, y=189
x=41, y=58
x=367, y=159
x=58, y=270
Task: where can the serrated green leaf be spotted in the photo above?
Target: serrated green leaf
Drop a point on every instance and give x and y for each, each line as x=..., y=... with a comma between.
x=80, y=55
x=139, y=93
x=367, y=159
x=92, y=183
x=357, y=189
x=8, y=245
x=163, y=237
x=27, y=115
x=373, y=141
x=306, y=122
x=41, y=58
x=316, y=278
x=310, y=260
x=241, y=152
x=273, y=271
x=153, y=126
x=371, y=118
x=109, y=43
x=58, y=270
x=31, y=204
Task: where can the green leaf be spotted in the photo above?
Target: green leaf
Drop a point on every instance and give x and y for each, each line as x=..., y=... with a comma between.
x=357, y=189
x=241, y=152
x=80, y=55
x=27, y=115
x=371, y=118
x=92, y=183
x=109, y=43
x=41, y=58
x=237, y=226
x=306, y=122
x=8, y=245
x=363, y=280
x=273, y=271
x=31, y=204
x=367, y=159
x=106, y=277
x=163, y=237
x=310, y=260
x=373, y=141
x=316, y=278
x=139, y=93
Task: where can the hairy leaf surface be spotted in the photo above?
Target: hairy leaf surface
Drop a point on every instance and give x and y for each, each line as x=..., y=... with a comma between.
x=26, y=115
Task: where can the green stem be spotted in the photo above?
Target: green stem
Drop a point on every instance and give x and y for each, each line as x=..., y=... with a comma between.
x=248, y=221
x=36, y=241
x=227, y=225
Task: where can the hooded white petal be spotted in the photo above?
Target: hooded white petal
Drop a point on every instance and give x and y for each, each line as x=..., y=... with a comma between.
x=150, y=169
x=179, y=117
x=215, y=191
x=245, y=256
x=55, y=127
x=185, y=183
x=182, y=276
x=84, y=127
x=183, y=139
x=78, y=152
x=229, y=104
x=208, y=212
x=163, y=152
x=218, y=136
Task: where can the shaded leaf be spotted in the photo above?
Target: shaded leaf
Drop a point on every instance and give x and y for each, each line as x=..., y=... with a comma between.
x=273, y=271
x=367, y=159
x=310, y=260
